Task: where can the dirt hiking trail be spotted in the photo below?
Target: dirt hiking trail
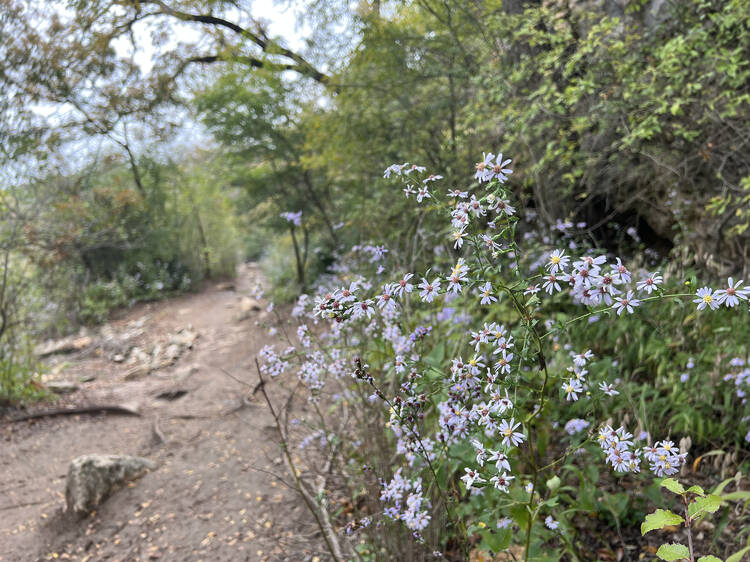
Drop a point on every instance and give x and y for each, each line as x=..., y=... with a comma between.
x=214, y=495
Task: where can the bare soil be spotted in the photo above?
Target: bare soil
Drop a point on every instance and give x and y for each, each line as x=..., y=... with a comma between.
x=217, y=492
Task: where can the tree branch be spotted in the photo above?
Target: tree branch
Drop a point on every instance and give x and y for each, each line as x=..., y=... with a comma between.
x=266, y=45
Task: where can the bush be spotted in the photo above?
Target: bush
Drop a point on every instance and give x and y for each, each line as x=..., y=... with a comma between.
x=18, y=371
x=98, y=299
x=120, y=241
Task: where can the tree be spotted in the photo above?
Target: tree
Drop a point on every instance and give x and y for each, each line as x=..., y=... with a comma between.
x=78, y=62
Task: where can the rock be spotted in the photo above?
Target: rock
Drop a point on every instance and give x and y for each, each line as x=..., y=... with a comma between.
x=185, y=373
x=137, y=355
x=137, y=372
x=65, y=345
x=173, y=352
x=184, y=337
x=61, y=387
x=118, y=358
x=120, y=343
x=657, y=13
x=92, y=478
x=156, y=357
x=247, y=304
x=227, y=286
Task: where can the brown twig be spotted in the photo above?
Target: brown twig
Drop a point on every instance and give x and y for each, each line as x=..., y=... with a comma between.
x=319, y=513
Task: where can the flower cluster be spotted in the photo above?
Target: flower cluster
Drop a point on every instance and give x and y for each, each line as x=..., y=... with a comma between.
x=501, y=480
x=407, y=501
x=665, y=458
x=293, y=218
x=492, y=167
x=739, y=376
x=576, y=425
x=460, y=356
x=729, y=297
x=617, y=444
x=592, y=281
x=272, y=363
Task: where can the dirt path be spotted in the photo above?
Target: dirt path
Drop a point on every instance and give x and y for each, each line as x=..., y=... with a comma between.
x=215, y=494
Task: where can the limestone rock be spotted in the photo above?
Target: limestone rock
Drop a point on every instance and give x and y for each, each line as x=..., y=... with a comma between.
x=92, y=478
x=247, y=307
x=185, y=337
x=172, y=353
x=247, y=304
x=61, y=387
x=137, y=372
x=65, y=345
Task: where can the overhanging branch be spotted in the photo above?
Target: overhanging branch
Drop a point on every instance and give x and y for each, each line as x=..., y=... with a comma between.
x=268, y=46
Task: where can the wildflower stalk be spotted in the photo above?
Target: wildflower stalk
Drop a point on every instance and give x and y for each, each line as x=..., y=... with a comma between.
x=600, y=310
x=688, y=527
x=318, y=512
x=362, y=374
x=530, y=507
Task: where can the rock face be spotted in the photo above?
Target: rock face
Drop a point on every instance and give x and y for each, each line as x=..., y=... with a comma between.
x=92, y=478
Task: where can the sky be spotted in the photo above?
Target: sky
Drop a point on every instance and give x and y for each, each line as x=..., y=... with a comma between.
x=281, y=22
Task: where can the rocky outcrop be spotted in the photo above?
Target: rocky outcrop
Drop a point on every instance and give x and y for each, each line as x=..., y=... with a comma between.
x=92, y=478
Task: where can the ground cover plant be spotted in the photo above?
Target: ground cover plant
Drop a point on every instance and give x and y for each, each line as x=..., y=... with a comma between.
x=519, y=387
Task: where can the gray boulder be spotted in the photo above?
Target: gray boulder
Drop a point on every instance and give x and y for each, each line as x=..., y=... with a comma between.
x=92, y=478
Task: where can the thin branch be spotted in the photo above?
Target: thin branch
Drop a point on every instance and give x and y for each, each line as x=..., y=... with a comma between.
x=267, y=46
x=319, y=513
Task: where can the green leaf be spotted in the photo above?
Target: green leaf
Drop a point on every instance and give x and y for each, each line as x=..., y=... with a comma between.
x=720, y=488
x=701, y=506
x=553, y=484
x=436, y=356
x=496, y=540
x=519, y=514
x=737, y=556
x=673, y=552
x=736, y=496
x=673, y=486
x=709, y=558
x=660, y=519
x=697, y=490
